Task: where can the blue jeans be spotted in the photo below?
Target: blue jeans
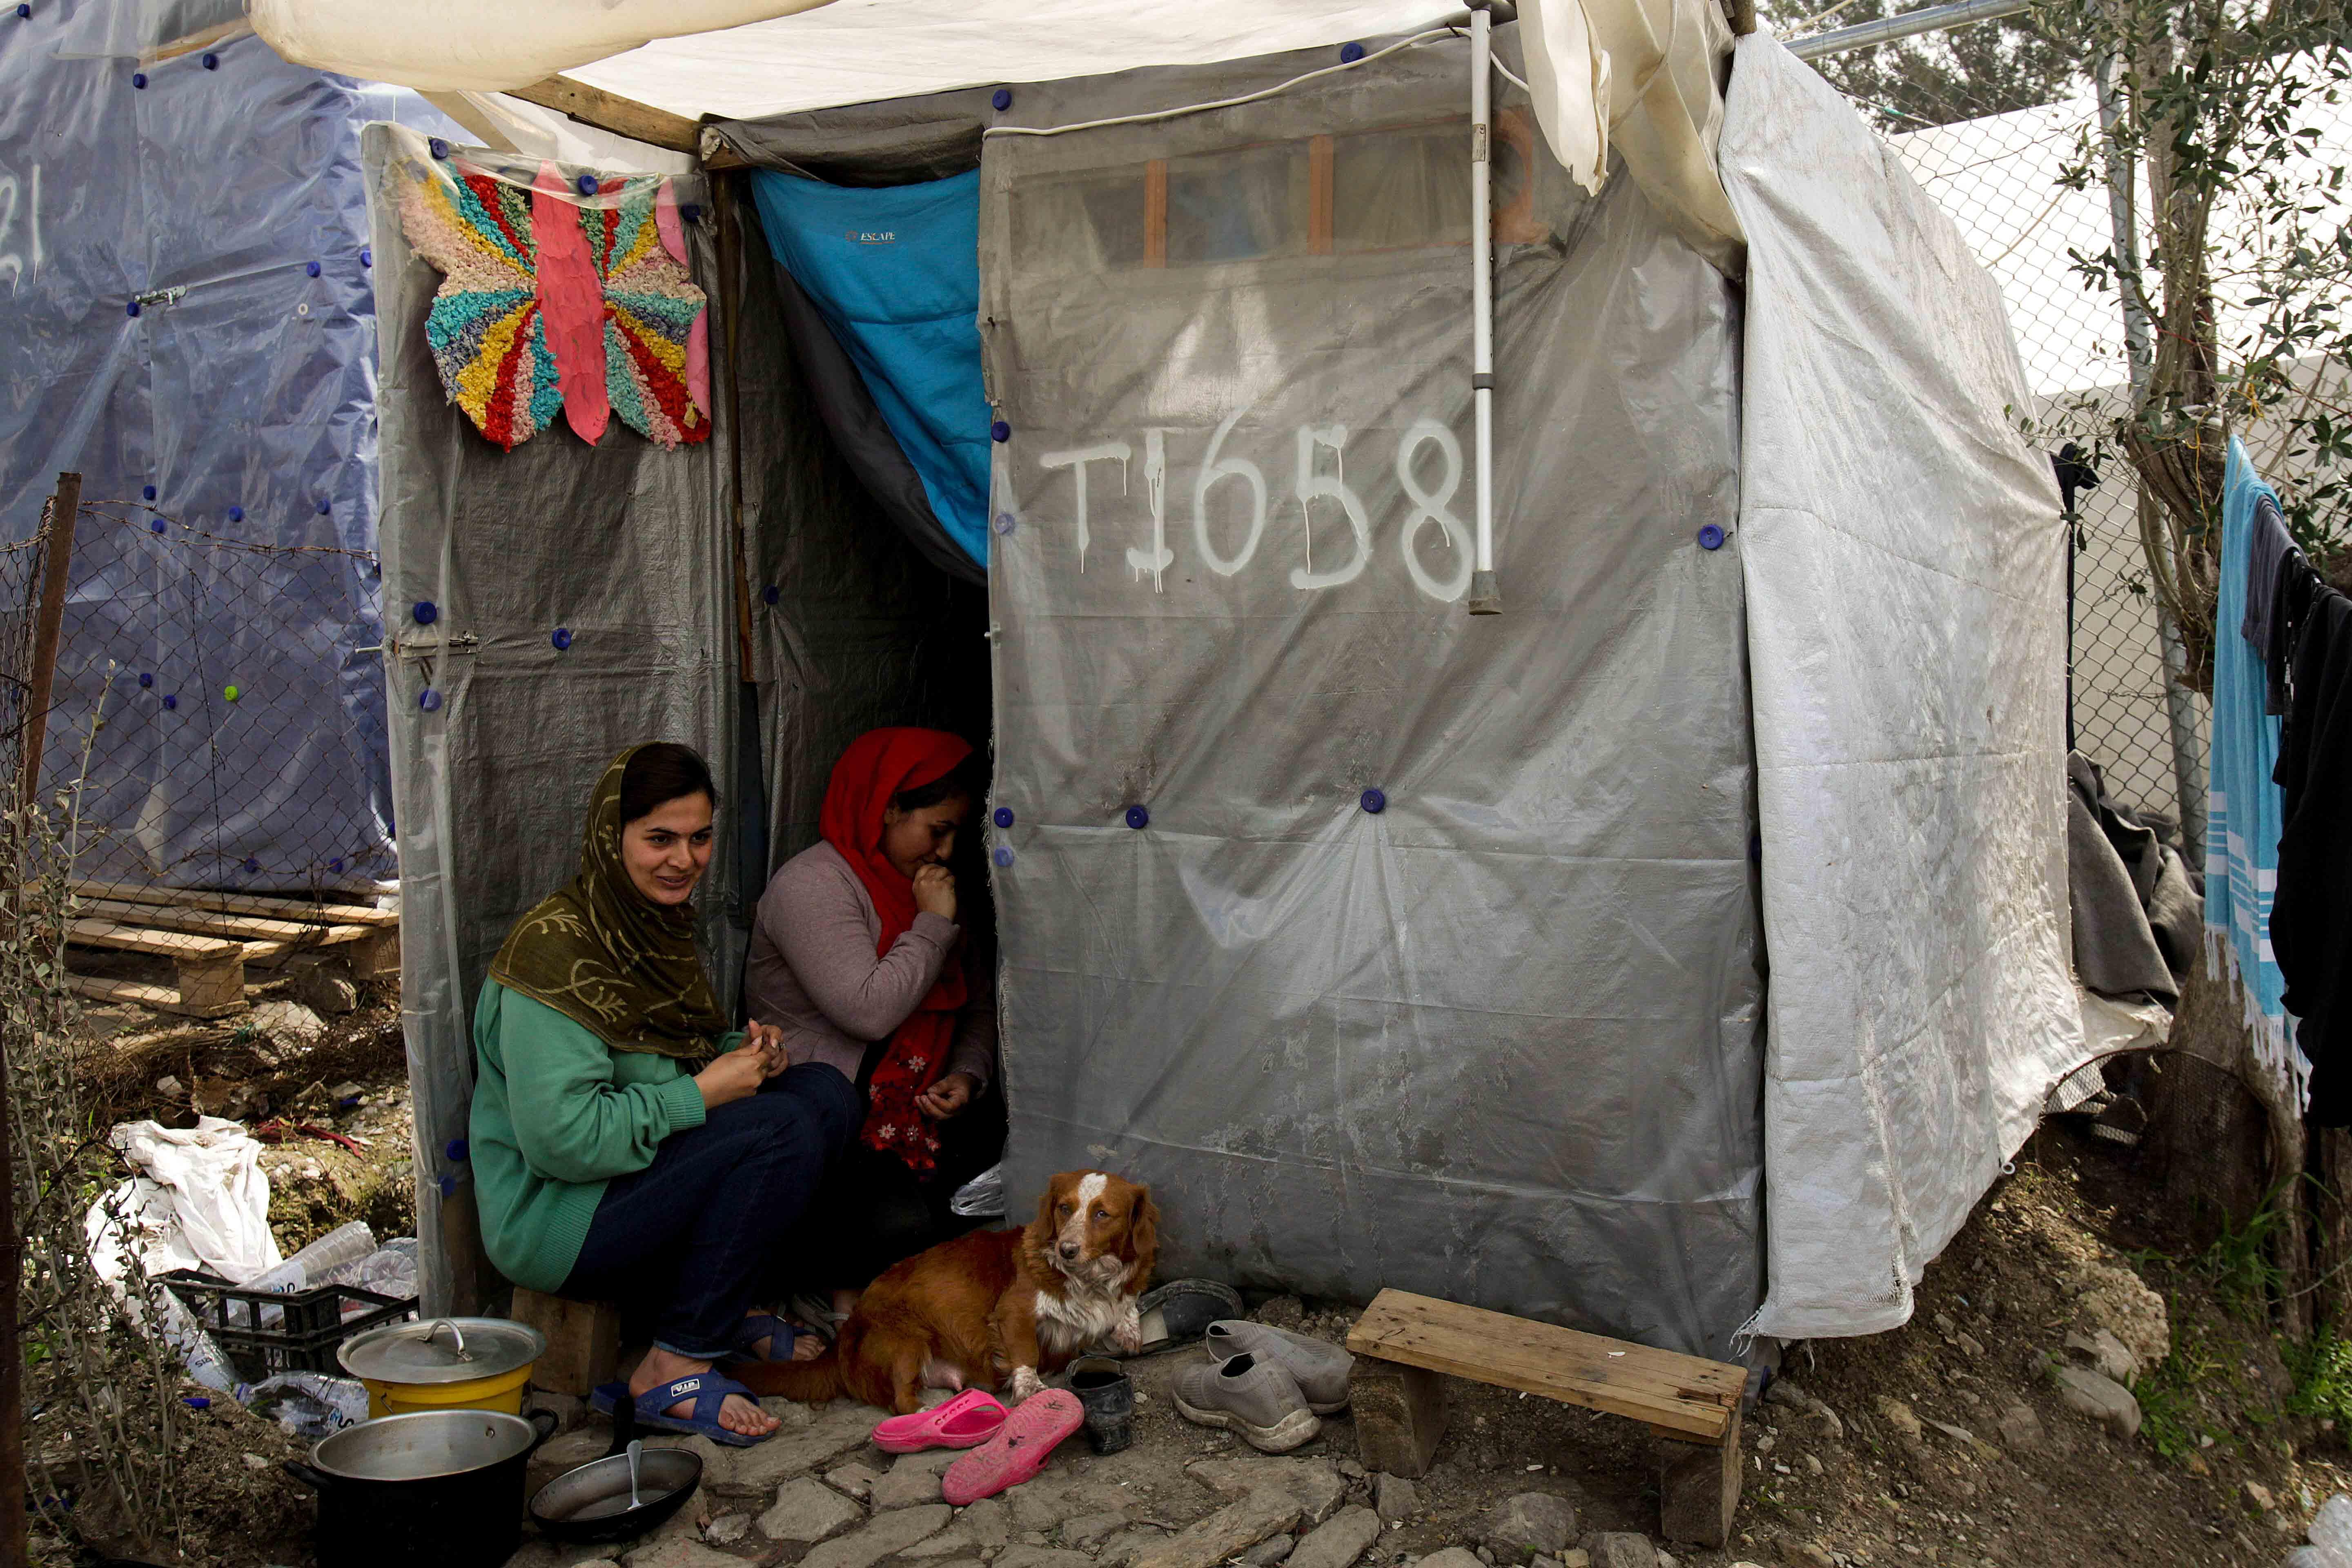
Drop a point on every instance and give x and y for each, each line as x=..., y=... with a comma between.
x=694, y=1234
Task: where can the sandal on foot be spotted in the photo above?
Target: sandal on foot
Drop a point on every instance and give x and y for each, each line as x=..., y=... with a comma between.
x=709, y=1390
x=1181, y=1311
x=757, y=1326
x=968, y=1420
x=1019, y=1449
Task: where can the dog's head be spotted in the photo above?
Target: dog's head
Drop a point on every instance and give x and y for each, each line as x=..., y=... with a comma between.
x=1098, y=1228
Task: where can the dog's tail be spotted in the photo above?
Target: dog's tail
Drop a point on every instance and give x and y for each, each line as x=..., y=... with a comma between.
x=810, y=1381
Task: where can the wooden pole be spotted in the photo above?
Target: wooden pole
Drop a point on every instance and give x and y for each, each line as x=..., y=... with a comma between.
x=55, y=555
x=57, y=559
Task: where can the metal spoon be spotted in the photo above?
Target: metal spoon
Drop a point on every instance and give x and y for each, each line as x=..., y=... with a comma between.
x=636, y=1452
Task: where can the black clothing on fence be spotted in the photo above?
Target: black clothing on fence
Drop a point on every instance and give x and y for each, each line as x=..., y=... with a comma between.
x=2311, y=917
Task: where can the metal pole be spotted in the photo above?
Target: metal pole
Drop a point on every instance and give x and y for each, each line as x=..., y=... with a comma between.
x=1485, y=599
x=1935, y=18
x=56, y=556
x=2179, y=702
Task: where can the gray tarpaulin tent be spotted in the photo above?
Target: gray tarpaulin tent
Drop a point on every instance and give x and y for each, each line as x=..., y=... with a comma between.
x=1391, y=946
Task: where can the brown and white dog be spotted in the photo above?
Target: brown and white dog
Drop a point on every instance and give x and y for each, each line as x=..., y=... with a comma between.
x=996, y=1308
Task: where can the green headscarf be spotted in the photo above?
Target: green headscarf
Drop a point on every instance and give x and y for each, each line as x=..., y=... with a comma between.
x=599, y=953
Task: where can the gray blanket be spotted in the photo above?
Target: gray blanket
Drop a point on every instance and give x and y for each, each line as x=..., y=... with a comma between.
x=2136, y=914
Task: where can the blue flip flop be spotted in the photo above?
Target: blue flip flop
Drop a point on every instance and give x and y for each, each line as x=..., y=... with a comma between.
x=757, y=1326
x=709, y=1390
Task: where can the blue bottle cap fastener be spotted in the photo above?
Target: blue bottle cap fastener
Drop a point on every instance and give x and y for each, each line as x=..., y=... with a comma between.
x=1373, y=801
x=691, y=211
x=147, y=490
x=212, y=62
x=1350, y=53
x=430, y=701
x=1000, y=431
x=772, y=593
x=156, y=526
x=131, y=308
x=586, y=185
x=440, y=148
x=367, y=256
x=1137, y=816
x=1004, y=523
x=139, y=79
x=236, y=514
x=252, y=867
x=171, y=700
x=311, y=267
x=455, y=1149
x=336, y=866
x=23, y=10
x=146, y=680
x=448, y=1186
x=426, y=612
x=1002, y=816
x=1002, y=854
x=560, y=638
x=326, y=506
x=1710, y=537
x=1001, y=97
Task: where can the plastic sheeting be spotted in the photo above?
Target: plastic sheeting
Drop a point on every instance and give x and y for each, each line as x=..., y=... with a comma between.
x=1496, y=1039
x=892, y=270
x=623, y=545
x=206, y=199
x=1906, y=575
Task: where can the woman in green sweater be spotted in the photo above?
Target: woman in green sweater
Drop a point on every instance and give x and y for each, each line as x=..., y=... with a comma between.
x=626, y=1144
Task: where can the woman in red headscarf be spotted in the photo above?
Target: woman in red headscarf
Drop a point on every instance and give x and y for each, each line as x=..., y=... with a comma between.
x=861, y=957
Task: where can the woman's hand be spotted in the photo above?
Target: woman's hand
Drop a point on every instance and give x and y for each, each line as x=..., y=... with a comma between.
x=736, y=1073
x=935, y=891
x=771, y=1039
x=947, y=1097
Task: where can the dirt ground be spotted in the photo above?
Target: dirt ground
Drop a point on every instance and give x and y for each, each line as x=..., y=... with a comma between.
x=1943, y=1444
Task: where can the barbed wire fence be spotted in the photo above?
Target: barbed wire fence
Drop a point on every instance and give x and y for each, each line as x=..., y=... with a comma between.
x=1993, y=158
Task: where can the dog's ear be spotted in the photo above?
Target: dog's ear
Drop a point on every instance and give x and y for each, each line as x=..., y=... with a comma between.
x=1045, y=1225
x=1143, y=1235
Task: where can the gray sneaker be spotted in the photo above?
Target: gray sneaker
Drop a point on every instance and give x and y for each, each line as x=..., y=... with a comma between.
x=1319, y=1367
x=1256, y=1398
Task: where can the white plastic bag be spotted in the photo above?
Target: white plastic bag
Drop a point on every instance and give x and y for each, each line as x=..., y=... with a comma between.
x=200, y=1199
x=982, y=1197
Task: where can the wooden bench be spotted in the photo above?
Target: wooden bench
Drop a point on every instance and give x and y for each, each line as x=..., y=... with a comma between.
x=584, y=1341
x=1404, y=1344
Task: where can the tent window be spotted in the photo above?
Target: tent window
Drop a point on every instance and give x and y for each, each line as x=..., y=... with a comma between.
x=1399, y=189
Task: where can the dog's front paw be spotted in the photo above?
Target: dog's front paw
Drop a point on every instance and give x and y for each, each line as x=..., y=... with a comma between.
x=1025, y=1382
x=1131, y=1332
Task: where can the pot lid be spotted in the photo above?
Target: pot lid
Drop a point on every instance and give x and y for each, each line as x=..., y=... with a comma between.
x=442, y=1349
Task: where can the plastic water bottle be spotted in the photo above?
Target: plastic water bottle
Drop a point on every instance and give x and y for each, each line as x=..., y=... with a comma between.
x=205, y=1363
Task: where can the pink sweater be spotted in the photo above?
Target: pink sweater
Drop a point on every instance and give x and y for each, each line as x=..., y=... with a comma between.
x=813, y=974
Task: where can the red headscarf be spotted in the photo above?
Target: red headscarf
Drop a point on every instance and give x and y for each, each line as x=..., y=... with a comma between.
x=879, y=765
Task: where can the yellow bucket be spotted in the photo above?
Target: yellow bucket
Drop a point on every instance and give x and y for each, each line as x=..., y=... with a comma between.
x=503, y=1392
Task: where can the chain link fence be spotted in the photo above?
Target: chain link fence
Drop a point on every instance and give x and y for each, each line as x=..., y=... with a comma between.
x=1987, y=118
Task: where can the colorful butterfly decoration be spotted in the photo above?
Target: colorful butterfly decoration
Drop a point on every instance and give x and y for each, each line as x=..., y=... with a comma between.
x=558, y=298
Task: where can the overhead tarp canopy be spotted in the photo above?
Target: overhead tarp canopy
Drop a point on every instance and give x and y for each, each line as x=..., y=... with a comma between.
x=1644, y=74
x=1906, y=570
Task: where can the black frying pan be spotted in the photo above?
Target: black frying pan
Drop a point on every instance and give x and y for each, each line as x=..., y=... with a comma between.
x=666, y=1478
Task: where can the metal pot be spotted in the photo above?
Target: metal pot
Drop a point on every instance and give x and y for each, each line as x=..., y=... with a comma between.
x=439, y=1487
x=480, y=1363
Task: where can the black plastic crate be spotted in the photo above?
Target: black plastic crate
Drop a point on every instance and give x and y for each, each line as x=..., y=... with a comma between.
x=303, y=1339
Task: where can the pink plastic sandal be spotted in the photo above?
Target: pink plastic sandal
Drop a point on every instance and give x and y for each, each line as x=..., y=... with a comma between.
x=968, y=1420
x=1036, y=1427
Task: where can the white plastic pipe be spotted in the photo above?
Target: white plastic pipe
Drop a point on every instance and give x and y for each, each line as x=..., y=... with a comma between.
x=1484, y=598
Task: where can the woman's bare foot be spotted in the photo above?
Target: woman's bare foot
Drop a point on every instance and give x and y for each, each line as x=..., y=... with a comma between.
x=807, y=1343
x=737, y=1415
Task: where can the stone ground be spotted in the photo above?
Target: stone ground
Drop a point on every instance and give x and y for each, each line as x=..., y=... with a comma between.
x=1950, y=1443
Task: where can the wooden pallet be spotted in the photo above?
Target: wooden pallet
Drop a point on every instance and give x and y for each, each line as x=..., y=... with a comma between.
x=210, y=938
x=1403, y=1342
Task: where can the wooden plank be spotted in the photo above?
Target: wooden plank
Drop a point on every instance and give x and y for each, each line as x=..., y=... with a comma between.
x=611, y=112
x=178, y=946
x=1698, y=1488
x=279, y=936
x=1400, y=1414
x=1689, y=1396
x=160, y=998
x=298, y=910
x=1155, y=213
